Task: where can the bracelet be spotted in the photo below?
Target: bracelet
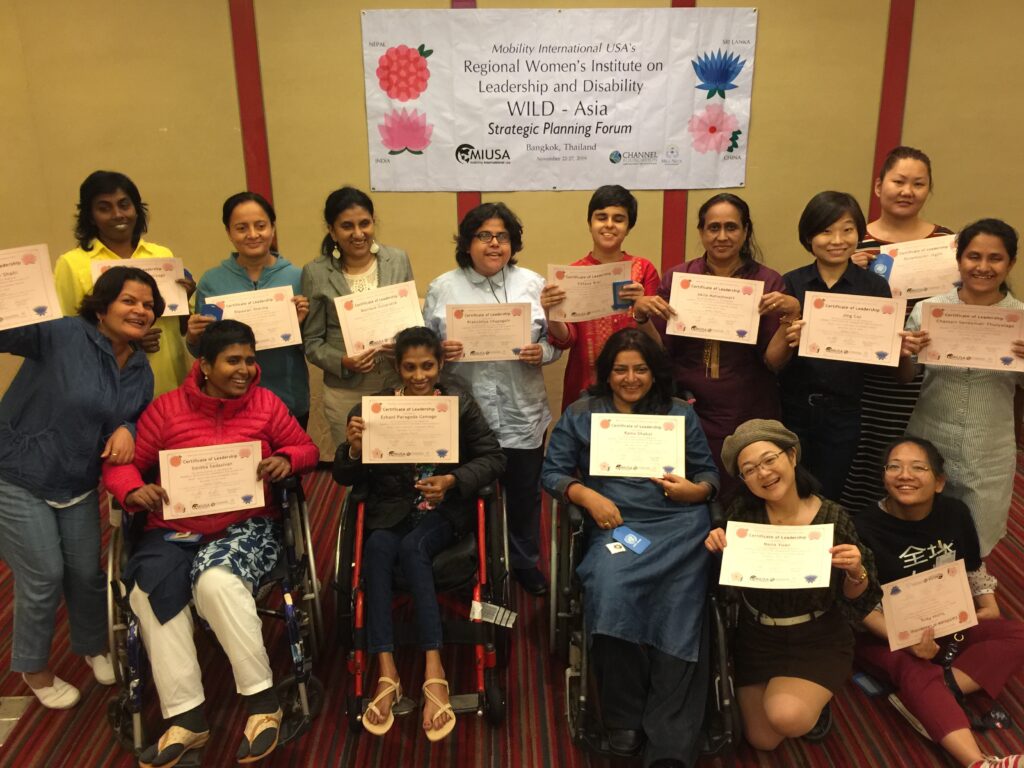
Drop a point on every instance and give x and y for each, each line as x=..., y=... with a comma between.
x=636, y=319
x=788, y=320
x=860, y=579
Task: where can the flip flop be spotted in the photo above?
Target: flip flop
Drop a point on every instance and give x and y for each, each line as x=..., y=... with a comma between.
x=436, y=734
x=393, y=686
x=172, y=746
x=258, y=729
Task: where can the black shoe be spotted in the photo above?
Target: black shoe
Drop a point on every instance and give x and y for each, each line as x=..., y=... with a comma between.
x=532, y=580
x=623, y=742
x=822, y=727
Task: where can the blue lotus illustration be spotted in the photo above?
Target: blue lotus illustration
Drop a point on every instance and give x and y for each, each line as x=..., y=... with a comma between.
x=172, y=307
x=882, y=355
x=1006, y=360
x=668, y=468
x=811, y=578
x=247, y=499
x=442, y=452
x=716, y=72
x=40, y=310
x=285, y=336
x=741, y=333
x=516, y=351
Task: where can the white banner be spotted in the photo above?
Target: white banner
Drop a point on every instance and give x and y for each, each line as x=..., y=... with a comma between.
x=651, y=98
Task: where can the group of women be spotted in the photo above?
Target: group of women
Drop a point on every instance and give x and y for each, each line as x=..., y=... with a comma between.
x=774, y=437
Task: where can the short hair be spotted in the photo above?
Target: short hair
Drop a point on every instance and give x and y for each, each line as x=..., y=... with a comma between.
x=246, y=197
x=904, y=153
x=935, y=458
x=996, y=228
x=108, y=287
x=339, y=201
x=749, y=251
x=824, y=210
x=473, y=220
x=613, y=194
x=659, y=398
x=417, y=336
x=106, y=183
x=220, y=335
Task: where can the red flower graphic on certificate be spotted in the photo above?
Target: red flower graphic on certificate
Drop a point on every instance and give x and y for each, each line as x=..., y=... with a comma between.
x=28, y=258
x=405, y=131
x=402, y=72
x=714, y=130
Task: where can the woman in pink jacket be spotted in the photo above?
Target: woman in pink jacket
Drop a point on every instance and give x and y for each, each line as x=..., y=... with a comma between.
x=215, y=560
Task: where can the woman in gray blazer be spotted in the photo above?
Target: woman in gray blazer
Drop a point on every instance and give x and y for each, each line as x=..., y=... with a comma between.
x=350, y=261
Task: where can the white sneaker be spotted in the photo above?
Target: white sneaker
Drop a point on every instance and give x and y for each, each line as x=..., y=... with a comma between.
x=58, y=695
x=101, y=668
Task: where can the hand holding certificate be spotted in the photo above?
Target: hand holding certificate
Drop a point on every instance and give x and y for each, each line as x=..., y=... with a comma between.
x=410, y=430
x=719, y=308
x=920, y=268
x=632, y=445
x=166, y=272
x=372, y=318
x=777, y=556
x=211, y=479
x=489, y=331
x=269, y=312
x=853, y=329
x=971, y=336
x=939, y=599
x=27, y=293
x=589, y=290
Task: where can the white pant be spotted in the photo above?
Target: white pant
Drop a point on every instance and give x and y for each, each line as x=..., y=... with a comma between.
x=226, y=603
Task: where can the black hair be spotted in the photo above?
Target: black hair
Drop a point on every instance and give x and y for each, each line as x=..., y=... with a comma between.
x=749, y=251
x=417, y=336
x=475, y=219
x=996, y=228
x=824, y=210
x=246, y=197
x=659, y=398
x=108, y=287
x=613, y=194
x=106, y=183
x=339, y=201
x=935, y=459
x=904, y=153
x=220, y=335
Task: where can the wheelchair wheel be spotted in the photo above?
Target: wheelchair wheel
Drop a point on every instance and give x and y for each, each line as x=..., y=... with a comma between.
x=502, y=593
x=311, y=586
x=561, y=595
x=341, y=582
x=115, y=616
x=495, y=697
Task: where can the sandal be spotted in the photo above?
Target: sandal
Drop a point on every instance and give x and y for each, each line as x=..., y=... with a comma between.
x=392, y=686
x=172, y=746
x=258, y=731
x=438, y=733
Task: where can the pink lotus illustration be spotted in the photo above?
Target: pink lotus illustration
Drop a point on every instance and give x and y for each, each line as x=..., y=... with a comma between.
x=405, y=131
x=713, y=129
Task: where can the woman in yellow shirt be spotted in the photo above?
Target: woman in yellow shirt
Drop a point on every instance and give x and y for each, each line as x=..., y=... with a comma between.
x=111, y=221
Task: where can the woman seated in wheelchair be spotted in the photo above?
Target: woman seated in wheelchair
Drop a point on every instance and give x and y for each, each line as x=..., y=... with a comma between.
x=215, y=560
x=644, y=612
x=412, y=513
x=913, y=529
x=793, y=648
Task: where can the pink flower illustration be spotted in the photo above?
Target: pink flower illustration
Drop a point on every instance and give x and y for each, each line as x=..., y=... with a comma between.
x=405, y=131
x=712, y=129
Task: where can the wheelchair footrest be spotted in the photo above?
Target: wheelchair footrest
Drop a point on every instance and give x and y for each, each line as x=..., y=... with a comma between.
x=465, y=703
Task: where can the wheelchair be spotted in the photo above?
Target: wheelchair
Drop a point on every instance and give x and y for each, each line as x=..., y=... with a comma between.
x=722, y=728
x=294, y=580
x=472, y=571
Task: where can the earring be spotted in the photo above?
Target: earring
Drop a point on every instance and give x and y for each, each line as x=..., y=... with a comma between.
x=336, y=254
x=374, y=248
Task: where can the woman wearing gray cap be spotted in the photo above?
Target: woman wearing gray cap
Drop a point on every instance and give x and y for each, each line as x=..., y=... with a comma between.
x=794, y=647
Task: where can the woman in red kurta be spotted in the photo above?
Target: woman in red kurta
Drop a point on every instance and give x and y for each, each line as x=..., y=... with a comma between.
x=611, y=215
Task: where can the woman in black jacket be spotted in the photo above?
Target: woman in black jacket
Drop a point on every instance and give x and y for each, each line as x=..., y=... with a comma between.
x=413, y=512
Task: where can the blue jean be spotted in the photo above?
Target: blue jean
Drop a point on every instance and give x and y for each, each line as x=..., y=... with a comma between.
x=52, y=552
x=412, y=549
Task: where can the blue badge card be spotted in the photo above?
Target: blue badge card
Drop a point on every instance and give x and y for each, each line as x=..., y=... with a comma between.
x=631, y=539
x=617, y=301
x=213, y=311
x=881, y=265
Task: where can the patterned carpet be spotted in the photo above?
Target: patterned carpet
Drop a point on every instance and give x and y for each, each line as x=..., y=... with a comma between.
x=867, y=734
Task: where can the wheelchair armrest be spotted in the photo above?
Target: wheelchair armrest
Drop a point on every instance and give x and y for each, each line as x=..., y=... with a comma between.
x=718, y=518
x=358, y=492
x=575, y=515
x=487, y=492
x=289, y=483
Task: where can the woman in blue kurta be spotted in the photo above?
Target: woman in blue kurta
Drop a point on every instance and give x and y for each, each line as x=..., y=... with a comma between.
x=645, y=613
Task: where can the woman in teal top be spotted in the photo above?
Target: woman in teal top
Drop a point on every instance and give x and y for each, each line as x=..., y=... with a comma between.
x=249, y=220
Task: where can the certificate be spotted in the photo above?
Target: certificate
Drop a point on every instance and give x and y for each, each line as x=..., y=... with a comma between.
x=854, y=329
x=939, y=598
x=968, y=336
x=211, y=479
x=27, y=293
x=635, y=445
x=589, y=290
x=269, y=312
x=372, y=318
x=410, y=430
x=711, y=307
x=489, y=331
x=166, y=272
x=922, y=268
x=777, y=556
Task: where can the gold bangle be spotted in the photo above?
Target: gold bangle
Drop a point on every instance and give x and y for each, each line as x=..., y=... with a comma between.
x=860, y=579
x=788, y=320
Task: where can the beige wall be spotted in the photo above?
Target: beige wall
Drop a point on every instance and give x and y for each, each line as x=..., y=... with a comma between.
x=162, y=106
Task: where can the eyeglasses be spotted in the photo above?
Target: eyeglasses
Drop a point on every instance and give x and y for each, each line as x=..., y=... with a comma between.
x=767, y=462
x=895, y=468
x=486, y=237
